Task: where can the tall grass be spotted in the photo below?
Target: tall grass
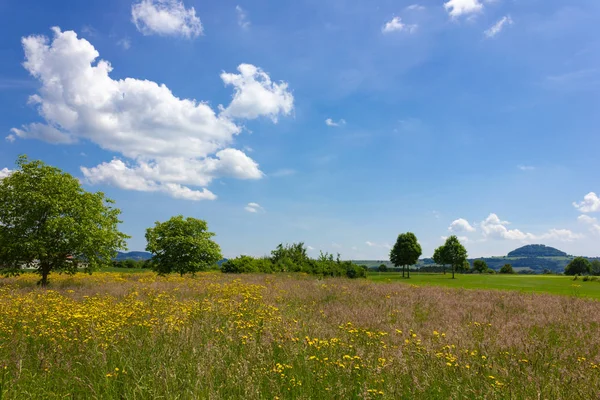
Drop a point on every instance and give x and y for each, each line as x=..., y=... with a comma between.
x=138, y=336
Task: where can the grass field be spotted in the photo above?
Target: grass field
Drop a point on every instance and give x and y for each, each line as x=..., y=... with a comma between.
x=553, y=284
x=218, y=336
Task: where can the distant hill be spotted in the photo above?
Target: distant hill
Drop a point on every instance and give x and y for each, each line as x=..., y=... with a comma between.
x=537, y=250
x=133, y=255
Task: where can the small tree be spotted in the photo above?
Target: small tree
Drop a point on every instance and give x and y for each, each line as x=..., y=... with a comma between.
x=507, y=269
x=454, y=253
x=49, y=222
x=406, y=251
x=438, y=258
x=480, y=266
x=382, y=268
x=182, y=245
x=579, y=266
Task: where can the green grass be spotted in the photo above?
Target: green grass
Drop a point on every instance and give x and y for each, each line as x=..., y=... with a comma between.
x=562, y=285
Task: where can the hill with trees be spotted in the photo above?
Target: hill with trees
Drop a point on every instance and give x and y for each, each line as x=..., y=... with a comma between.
x=537, y=250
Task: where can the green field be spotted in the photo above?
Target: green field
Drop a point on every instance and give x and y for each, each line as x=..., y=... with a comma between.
x=553, y=284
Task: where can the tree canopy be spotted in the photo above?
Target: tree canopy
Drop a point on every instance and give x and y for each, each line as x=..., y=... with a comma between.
x=182, y=245
x=454, y=253
x=406, y=251
x=578, y=266
x=507, y=269
x=438, y=258
x=480, y=266
x=50, y=223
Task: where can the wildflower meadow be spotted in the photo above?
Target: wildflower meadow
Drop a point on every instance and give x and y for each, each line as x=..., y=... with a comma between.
x=141, y=336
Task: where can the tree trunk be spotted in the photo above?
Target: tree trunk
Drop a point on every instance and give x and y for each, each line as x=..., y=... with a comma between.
x=408, y=271
x=403, y=271
x=44, y=271
x=453, y=268
x=444, y=268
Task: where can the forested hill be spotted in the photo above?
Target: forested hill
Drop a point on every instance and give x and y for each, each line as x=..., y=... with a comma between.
x=537, y=250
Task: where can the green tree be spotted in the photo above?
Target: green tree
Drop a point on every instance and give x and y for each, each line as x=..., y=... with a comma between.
x=507, y=269
x=382, y=268
x=48, y=222
x=438, y=258
x=406, y=251
x=480, y=266
x=182, y=245
x=578, y=266
x=595, y=267
x=454, y=253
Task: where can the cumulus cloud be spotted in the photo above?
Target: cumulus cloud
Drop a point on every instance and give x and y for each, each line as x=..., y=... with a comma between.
x=590, y=203
x=494, y=228
x=456, y=8
x=591, y=222
x=170, y=141
x=330, y=122
x=166, y=18
x=255, y=95
x=254, y=208
x=498, y=26
x=242, y=17
x=461, y=225
x=4, y=172
x=396, y=25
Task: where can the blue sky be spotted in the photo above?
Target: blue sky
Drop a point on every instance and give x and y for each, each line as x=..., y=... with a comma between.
x=337, y=123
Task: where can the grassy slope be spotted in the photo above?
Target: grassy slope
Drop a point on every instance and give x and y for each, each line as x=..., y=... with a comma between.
x=526, y=283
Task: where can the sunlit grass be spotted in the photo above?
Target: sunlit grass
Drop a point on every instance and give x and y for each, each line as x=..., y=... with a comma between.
x=554, y=284
x=136, y=335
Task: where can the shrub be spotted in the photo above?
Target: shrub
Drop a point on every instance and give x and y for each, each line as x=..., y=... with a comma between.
x=507, y=269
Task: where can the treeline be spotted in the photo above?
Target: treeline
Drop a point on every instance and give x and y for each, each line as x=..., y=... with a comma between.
x=294, y=258
x=132, y=264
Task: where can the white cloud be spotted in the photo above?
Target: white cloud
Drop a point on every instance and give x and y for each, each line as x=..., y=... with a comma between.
x=590, y=203
x=255, y=95
x=396, y=24
x=310, y=248
x=254, y=208
x=380, y=245
x=124, y=43
x=562, y=235
x=526, y=167
x=330, y=122
x=456, y=8
x=242, y=17
x=170, y=140
x=10, y=138
x=498, y=26
x=415, y=7
x=118, y=174
x=166, y=18
x=461, y=225
x=495, y=228
x=4, y=172
x=592, y=222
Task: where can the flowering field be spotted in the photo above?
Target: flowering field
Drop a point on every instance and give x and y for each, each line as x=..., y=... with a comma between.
x=129, y=336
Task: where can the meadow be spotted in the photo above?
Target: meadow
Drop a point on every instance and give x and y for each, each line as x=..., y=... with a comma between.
x=553, y=284
x=214, y=336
